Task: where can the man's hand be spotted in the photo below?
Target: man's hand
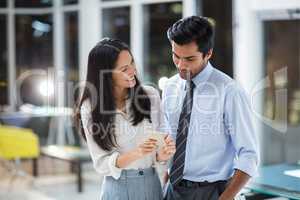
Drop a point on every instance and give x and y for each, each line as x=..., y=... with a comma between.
x=168, y=150
x=237, y=182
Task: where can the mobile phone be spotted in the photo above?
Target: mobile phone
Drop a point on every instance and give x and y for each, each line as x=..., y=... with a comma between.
x=159, y=136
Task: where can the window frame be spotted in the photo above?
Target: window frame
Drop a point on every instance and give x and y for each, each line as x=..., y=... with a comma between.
x=88, y=35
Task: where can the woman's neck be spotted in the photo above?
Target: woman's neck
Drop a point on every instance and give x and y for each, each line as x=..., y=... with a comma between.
x=120, y=97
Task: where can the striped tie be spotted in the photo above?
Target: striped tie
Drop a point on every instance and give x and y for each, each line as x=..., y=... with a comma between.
x=176, y=172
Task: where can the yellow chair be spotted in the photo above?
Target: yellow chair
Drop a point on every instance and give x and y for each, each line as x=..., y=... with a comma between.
x=18, y=143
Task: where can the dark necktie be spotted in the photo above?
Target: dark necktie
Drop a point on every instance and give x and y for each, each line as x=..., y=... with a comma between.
x=176, y=172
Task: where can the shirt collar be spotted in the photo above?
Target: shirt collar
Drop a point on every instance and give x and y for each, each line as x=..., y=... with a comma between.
x=202, y=76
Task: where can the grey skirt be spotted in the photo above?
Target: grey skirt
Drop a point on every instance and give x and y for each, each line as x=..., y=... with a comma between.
x=140, y=184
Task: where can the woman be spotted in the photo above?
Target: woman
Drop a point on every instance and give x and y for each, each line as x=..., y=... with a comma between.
x=118, y=124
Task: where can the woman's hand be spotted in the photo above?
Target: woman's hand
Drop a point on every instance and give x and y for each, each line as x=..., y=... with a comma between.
x=137, y=153
x=146, y=148
x=167, y=151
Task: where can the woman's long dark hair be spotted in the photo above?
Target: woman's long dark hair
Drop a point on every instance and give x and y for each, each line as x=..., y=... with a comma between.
x=101, y=61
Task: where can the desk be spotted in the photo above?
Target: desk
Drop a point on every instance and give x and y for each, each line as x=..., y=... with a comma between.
x=273, y=181
x=74, y=155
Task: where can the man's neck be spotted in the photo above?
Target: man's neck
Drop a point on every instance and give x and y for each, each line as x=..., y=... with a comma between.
x=204, y=66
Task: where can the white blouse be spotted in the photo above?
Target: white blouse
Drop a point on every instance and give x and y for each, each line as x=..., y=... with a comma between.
x=127, y=137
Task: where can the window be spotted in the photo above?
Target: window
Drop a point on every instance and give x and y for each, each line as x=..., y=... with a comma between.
x=3, y=4
x=157, y=49
x=34, y=50
x=112, y=0
x=70, y=2
x=282, y=52
x=34, y=42
x=71, y=53
x=116, y=23
x=3, y=62
x=222, y=16
x=33, y=3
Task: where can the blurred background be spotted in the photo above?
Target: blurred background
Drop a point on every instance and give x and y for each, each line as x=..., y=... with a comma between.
x=44, y=45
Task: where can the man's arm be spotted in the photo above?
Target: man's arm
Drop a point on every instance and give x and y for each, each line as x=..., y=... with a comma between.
x=239, y=124
x=237, y=182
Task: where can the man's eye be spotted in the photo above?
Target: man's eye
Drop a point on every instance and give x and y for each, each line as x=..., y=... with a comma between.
x=124, y=70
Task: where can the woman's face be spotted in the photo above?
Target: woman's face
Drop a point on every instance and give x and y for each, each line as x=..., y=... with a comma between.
x=124, y=72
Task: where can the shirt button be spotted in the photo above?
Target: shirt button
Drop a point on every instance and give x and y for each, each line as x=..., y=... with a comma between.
x=141, y=173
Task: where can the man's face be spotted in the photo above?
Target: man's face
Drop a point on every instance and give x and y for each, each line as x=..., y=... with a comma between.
x=188, y=60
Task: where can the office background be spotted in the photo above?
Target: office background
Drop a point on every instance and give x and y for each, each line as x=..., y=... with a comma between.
x=257, y=43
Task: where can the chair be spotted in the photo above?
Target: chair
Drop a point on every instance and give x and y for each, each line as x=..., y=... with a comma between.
x=15, y=144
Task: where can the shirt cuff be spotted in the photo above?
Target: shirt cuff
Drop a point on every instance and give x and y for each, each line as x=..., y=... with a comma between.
x=247, y=165
x=112, y=163
x=160, y=166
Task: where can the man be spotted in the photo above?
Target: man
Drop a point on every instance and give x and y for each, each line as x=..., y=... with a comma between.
x=209, y=116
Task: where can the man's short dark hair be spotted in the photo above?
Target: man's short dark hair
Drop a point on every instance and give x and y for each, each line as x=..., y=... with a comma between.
x=194, y=28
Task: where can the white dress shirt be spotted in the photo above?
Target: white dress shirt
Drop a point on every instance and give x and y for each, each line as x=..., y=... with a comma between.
x=128, y=137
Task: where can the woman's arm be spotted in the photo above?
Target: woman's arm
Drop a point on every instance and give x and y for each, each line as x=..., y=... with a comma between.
x=142, y=150
x=104, y=162
x=111, y=163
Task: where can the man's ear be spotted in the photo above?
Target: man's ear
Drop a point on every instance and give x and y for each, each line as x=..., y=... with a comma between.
x=209, y=54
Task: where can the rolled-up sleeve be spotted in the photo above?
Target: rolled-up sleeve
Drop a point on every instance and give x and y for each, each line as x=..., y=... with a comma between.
x=239, y=125
x=104, y=162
